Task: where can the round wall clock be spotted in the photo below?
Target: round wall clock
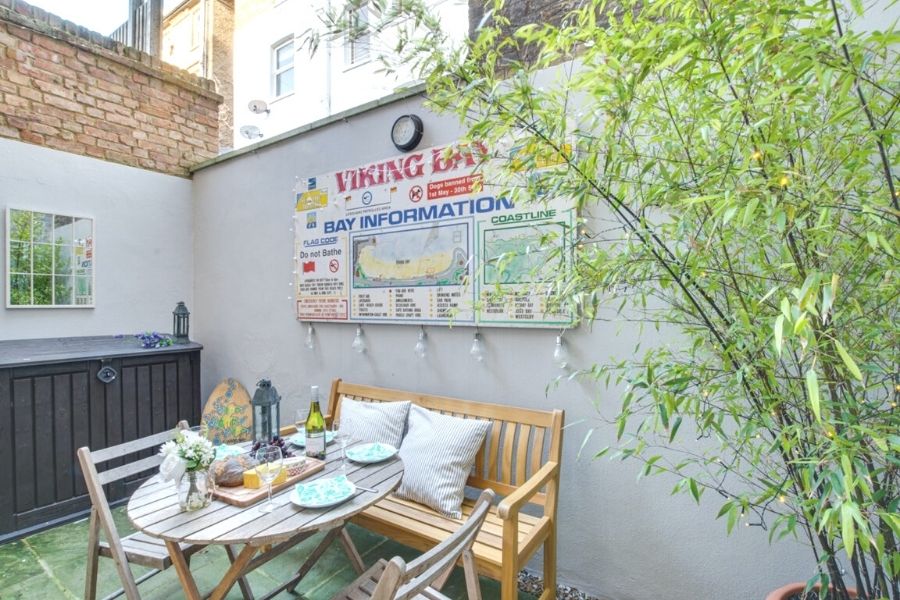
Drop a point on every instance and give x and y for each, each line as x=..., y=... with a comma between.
x=406, y=133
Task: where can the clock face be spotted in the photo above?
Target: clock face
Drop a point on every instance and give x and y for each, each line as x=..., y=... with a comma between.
x=406, y=132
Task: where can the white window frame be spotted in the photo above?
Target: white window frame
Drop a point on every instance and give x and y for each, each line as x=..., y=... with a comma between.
x=357, y=50
x=8, y=273
x=278, y=71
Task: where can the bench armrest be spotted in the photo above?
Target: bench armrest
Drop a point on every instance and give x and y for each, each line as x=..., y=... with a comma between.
x=509, y=507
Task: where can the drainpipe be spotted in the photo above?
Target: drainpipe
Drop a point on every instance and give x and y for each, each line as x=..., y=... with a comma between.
x=328, y=67
x=206, y=40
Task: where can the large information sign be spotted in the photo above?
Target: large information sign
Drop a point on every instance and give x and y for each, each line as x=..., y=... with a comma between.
x=420, y=238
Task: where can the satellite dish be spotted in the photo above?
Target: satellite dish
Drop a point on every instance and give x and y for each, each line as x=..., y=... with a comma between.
x=257, y=107
x=251, y=132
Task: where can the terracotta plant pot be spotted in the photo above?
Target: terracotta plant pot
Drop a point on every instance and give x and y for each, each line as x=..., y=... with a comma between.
x=786, y=591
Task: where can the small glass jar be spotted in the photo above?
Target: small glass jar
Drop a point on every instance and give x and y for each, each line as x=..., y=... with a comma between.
x=195, y=490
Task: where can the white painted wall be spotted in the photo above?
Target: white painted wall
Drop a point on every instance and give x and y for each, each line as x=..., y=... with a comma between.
x=143, y=240
x=619, y=539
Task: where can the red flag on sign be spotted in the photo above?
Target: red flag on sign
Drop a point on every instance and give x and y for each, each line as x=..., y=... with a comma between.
x=309, y=267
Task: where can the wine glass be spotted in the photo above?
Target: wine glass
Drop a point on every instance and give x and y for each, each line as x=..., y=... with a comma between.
x=341, y=436
x=300, y=416
x=268, y=459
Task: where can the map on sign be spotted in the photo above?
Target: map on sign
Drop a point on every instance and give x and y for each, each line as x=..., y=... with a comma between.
x=435, y=255
x=520, y=254
x=422, y=238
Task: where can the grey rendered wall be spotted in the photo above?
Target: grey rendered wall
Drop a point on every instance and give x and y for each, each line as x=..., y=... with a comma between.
x=143, y=240
x=619, y=539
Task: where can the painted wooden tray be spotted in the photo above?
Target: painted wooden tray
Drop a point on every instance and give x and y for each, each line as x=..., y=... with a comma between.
x=228, y=415
x=243, y=497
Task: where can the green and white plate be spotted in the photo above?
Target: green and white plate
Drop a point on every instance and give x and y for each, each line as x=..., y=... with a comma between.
x=299, y=438
x=322, y=493
x=371, y=453
x=225, y=451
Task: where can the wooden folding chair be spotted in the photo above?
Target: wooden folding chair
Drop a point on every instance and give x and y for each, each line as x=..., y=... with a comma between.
x=137, y=548
x=422, y=578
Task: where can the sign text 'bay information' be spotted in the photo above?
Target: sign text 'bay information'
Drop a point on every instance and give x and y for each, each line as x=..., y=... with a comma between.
x=420, y=238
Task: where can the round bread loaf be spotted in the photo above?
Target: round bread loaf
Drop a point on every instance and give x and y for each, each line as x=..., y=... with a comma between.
x=229, y=472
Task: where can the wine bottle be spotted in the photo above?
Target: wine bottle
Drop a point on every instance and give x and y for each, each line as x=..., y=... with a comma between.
x=315, y=426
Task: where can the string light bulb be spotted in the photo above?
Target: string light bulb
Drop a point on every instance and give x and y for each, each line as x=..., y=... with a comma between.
x=561, y=352
x=421, y=347
x=477, y=349
x=359, y=344
x=310, y=341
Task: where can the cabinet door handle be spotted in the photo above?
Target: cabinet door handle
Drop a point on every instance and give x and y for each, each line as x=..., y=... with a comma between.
x=107, y=374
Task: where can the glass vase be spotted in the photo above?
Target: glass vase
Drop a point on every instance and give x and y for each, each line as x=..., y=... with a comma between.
x=194, y=490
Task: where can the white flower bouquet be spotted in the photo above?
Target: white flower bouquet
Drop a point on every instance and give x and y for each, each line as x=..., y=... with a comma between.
x=188, y=452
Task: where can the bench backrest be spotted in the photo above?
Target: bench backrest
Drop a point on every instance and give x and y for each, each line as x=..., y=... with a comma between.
x=520, y=441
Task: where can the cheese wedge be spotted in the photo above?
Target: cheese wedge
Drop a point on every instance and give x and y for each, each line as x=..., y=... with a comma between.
x=253, y=481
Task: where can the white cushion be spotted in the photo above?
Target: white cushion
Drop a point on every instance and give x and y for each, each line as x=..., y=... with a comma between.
x=381, y=422
x=438, y=453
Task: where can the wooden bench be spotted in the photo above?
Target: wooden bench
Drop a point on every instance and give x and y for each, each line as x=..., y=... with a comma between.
x=519, y=460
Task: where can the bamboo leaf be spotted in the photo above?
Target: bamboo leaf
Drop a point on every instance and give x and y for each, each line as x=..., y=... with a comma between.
x=748, y=211
x=848, y=529
x=779, y=333
x=812, y=390
x=873, y=239
x=695, y=491
x=675, y=427
x=848, y=360
x=827, y=299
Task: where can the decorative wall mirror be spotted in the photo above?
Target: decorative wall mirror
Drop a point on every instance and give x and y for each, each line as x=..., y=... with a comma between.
x=49, y=260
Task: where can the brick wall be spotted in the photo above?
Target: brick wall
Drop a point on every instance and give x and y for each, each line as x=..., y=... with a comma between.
x=71, y=89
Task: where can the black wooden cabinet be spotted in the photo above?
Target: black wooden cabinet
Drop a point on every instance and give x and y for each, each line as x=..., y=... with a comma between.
x=52, y=402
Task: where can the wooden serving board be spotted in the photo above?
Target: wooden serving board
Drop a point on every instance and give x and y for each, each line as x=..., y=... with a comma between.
x=243, y=497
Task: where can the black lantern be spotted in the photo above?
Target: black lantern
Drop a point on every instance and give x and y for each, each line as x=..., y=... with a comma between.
x=181, y=323
x=266, y=412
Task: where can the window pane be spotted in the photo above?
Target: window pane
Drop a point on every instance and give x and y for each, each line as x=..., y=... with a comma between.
x=42, y=227
x=43, y=290
x=284, y=83
x=83, y=290
x=284, y=56
x=82, y=262
x=20, y=225
x=43, y=258
x=63, y=263
x=62, y=229
x=63, y=290
x=82, y=229
x=20, y=289
x=19, y=257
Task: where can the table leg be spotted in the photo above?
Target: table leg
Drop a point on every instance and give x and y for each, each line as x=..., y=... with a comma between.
x=184, y=572
x=234, y=572
x=313, y=558
x=242, y=581
x=352, y=552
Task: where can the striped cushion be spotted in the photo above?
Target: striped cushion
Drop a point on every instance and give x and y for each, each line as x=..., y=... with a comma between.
x=381, y=422
x=438, y=453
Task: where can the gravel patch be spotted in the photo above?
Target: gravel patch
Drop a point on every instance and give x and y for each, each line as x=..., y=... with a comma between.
x=532, y=584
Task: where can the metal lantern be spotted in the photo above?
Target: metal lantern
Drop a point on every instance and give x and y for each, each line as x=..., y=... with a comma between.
x=181, y=324
x=266, y=411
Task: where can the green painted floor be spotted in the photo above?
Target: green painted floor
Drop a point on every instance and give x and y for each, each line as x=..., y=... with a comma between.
x=51, y=566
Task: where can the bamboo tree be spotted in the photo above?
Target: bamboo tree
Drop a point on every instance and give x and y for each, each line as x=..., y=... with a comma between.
x=734, y=164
